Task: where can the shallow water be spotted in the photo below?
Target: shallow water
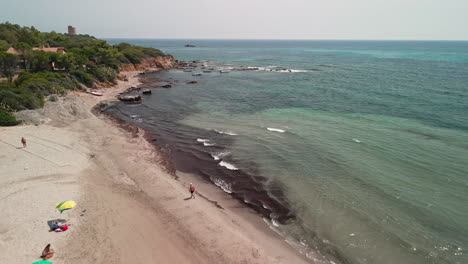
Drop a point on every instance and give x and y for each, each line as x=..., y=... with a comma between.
x=356, y=149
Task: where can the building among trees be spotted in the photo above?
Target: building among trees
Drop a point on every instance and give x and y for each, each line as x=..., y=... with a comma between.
x=60, y=50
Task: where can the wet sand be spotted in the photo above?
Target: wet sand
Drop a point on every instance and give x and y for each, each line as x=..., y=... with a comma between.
x=131, y=209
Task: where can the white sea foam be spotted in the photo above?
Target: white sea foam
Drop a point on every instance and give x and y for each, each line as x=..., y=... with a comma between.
x=208, y=144
x=273, y=222
x=276, y=69
x=272, y=129
x=272, y=227
x=202, y=140
x=356, y=140
x=218, y=156
x=228, y=165
x=223, y=185
x=291, y=70
x=226, y=132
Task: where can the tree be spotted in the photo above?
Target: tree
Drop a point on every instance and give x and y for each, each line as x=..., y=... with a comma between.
x=67, y=61
x=23, y=48
x=4, y=45
x=8, y=65
x=40, y=60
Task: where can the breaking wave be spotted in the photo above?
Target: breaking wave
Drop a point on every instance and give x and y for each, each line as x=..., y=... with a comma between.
x=223, y=185
x=228, y=165
x=218, y=156
x=225, y=132
x=272, y=129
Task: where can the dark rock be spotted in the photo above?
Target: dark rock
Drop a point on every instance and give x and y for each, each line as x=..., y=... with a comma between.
x=166, y=86
x=130, y=98
x=146, y=91
x=191, y=82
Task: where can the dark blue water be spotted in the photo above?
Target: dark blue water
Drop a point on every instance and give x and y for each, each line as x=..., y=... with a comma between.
x=365, y=142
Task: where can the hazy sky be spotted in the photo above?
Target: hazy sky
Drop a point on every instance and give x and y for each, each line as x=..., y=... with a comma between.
x=259, y=19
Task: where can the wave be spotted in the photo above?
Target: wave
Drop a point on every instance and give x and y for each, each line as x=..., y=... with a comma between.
x=273, y=222
x=274, y=69
x=205, y=142
x=225, y=132
x=272, y=129
x=218, y=156
x=356, y=140
x=223, y=185
x=227, y=165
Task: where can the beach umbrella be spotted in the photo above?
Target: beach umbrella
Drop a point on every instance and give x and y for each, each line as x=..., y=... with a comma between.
x=65, y=205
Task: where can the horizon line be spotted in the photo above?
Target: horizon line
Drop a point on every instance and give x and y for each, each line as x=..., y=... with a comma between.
x=144, y=38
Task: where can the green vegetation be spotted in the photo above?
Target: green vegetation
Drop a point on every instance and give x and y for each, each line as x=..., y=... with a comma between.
x=86, y=60
x=134, y=54
x=7, y=119
x=8, y=63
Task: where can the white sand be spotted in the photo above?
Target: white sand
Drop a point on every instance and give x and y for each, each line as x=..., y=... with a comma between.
x=135, y=211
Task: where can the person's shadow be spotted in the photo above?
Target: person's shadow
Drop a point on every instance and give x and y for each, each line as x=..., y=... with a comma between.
x=188, y=198
x=51, y=223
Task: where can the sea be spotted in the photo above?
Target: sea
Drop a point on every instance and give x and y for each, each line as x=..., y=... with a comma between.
x=354, y=151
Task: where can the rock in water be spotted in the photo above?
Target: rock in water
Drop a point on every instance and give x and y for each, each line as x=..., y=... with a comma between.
x=130, y=98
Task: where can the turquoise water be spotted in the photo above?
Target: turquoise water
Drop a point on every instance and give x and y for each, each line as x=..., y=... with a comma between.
x=367, y=139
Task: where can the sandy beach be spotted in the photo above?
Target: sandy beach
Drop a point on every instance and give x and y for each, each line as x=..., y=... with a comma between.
x=130, y=209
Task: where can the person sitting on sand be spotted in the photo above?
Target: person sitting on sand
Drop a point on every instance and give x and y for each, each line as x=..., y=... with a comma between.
x=47, y=253
x=60, y=227
x=23, y=141
x=192, y=190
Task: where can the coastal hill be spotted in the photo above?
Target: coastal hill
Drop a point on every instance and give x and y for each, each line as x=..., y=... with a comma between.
x=38, y=65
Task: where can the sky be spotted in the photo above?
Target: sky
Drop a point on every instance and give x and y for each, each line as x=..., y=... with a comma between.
x=247, y=19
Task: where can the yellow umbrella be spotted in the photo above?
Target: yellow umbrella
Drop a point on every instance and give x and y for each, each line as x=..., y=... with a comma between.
x=65, y=205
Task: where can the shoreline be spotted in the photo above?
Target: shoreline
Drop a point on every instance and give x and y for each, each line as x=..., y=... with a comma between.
x=246, y=212
x=135, y=210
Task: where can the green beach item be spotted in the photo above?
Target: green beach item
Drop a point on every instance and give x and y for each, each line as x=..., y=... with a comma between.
x=43, y=262
x=66, y=205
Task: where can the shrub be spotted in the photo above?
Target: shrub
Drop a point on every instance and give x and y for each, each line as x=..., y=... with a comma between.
x=104, y=73
x=53, y=98
x=135, y=54
x=18, y=99
x=83, y=77
x=7, y=119
x=46, y=83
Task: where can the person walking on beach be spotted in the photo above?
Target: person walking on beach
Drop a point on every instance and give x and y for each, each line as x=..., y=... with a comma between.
x=192, y=190
x=23, y=141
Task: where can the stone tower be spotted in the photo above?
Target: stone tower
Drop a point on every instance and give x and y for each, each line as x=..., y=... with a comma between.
x=71, y=30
